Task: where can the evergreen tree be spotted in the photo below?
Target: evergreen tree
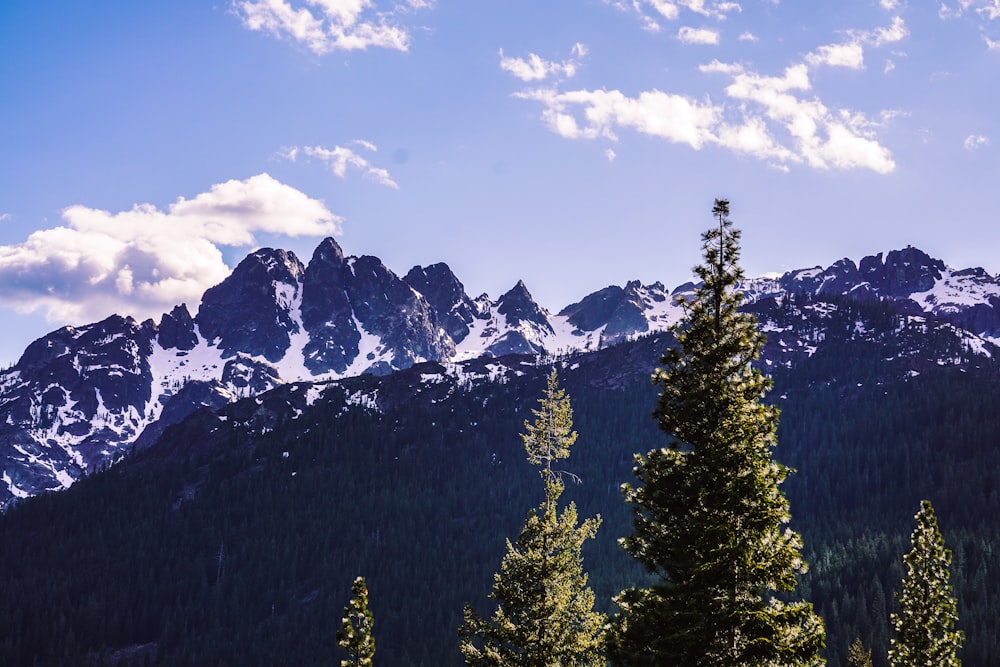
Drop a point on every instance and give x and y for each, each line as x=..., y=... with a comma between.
x=355, y=634
x=545, y=615
x=709, y=519
x=925, y=624
x=858, y=655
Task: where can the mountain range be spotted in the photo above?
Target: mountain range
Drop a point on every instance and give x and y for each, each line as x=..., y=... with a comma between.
x=80, y=398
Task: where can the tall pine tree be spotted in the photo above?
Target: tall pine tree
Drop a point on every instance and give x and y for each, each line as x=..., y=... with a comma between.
x=355, y=634
x=925, y=624
x=545, y=613
x=710, y=523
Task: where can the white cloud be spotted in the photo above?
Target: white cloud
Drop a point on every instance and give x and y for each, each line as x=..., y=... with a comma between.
x=649, y=11
x=323, y=26
x=819, y=137
x=690, y=35
x=889, y=5
x=676, y=118
x=850, y=55
x=341, y=158
x=748, y=37
x=143, y=261
x=991, y=11
x=946, y=11
x=536, y=68
x=667, y=10
x=4, y=216
x=610, y=154
x=976, y=141
x=895, y=32
x=990, y=44
x=778, y=119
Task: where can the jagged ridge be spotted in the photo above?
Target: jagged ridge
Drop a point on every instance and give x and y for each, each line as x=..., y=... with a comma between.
x=81, y=397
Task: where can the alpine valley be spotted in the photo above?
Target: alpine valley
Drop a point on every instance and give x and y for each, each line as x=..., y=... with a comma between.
x=224, y=476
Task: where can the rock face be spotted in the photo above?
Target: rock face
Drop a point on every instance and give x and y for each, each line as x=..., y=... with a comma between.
x=406, y=325
x=81, y=397
x=621, y=312
x=74, y=400
x=326, y=312
x=524, y=323
x=446, y=295
x=177, y=329
x=251, y=310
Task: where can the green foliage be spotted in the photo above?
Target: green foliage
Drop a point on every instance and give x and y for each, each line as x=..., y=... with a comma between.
x=858, y=655
x=925, y=624
x=545, y=611
x=355, y=634
x=709, y=520
x=550, y=436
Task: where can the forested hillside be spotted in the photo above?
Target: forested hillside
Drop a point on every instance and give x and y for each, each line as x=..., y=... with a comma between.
x=235, y=539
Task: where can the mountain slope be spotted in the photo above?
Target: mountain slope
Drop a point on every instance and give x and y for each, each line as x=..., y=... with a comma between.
x=80, y=398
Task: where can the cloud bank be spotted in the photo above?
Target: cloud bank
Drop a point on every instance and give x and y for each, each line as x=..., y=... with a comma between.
x=323, y=26
x=144, y=261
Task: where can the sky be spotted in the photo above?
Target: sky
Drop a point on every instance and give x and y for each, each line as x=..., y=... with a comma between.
x=147, y=147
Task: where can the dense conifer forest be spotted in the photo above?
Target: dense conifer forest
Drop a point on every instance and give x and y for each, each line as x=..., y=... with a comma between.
x=228, y=546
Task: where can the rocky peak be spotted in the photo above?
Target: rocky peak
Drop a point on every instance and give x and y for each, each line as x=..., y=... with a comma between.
x=176, y=329
x=446, y=294
x=249, y=311
x=904, y=272
x=406, y=324
x=619, y=311
x=518, y=306
x=326, y=312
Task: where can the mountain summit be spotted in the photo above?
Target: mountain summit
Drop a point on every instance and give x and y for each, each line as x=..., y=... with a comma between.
x=79, y=398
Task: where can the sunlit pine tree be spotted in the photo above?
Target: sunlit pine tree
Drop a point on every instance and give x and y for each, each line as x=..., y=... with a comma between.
x=545, y=613
x=355, y=634
x=710, y=522
x=925, y=625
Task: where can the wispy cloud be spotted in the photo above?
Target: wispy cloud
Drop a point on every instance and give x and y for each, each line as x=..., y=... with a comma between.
x=340, y=159
x=145, y=260
x=690, y=35
x=4, y=216
x=986, y=9
x=323, y=26
x=975, y=142
x=651, y=12
x=536, y=68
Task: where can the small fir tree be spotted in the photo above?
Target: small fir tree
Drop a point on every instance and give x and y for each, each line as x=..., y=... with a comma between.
x=858, y=655
x=355, y=634
x=925, y=625
x=710, y=522
x=545, y=613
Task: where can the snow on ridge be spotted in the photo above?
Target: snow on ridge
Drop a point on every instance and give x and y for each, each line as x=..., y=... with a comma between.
x=957, y=290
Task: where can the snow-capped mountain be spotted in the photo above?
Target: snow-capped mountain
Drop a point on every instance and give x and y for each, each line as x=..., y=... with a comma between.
x=81, y=397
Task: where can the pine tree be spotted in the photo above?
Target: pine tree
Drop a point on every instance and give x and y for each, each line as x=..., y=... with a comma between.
x=545, y=615
x=710, y=523
x=925, y=624
x=355, y=634
x=858, y=655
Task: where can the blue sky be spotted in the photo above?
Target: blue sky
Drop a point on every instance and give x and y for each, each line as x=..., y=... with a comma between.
x=146, y=147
